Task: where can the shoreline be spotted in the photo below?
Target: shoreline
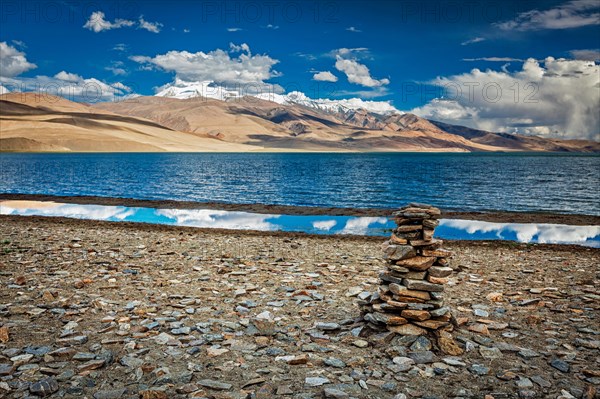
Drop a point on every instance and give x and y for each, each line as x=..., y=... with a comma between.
x=487, y=216
x=285, y=235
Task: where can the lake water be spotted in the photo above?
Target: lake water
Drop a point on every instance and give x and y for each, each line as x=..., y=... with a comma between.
x=314, y=224
x=565, y=183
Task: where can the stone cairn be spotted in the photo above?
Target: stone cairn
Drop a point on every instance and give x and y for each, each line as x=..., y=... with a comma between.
x=409, y=300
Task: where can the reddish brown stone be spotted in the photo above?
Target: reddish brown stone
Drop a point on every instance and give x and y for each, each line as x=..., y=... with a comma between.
x=397, y=240
x=4, y=334
x=407, y=329
x=437, y=280
x=153, y=394
x=418, y=263
x=435, y=243
x=419, y=315
x=432, y=324
x=405, y=292
x=439, y=253
x=300, y=359
x=448, y=345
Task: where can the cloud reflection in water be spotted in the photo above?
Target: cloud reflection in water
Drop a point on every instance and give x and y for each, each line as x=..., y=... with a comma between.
x=523, y=232
x=93, y=212
x=321, y=224
x=220, y=219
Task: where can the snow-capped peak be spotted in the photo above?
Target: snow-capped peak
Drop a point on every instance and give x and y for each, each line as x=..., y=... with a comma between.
x=183, y=90
x=208, y=89
x=327, y=105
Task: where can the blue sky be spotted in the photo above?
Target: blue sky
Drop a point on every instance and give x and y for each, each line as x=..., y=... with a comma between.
x=413, y=54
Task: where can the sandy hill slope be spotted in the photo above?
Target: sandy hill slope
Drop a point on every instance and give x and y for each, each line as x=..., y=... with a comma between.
x=31, y=122
x=268, y=124
x=519, y=142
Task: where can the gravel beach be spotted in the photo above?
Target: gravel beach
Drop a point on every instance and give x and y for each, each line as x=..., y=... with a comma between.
x=118, y=310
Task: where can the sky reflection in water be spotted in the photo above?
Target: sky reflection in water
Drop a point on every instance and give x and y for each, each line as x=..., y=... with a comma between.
x=315, y=224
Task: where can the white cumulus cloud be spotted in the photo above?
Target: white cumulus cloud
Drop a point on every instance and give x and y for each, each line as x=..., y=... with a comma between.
x=12, y=61
x=65, y=84
x=358, y=73
x=556, y=98
x=98, y=23
x=68, y=77
x=153, y=27
x=325, y=76
x=217, y=65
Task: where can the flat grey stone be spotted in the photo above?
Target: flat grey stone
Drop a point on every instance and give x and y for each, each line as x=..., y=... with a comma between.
x=216, y=385
x=110, y=394
x=315, y=381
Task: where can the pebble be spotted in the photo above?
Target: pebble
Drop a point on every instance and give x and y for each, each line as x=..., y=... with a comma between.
x=524, y=382
x=327, y=326
x=331, y=393
x=91, y=365
x=153, y=394
x=21, y=359
x=490, y=353
x=479, y=369
x=423, y=357
x=45, y=387
x=528, y=353
x=421, y=344
x=403, y=363
x=560, y=365
x=334, y=362
x=541, y=381
x=6, y=369
x=110, y=394
x=316, y=381
x=453, y=361
x=360, y=343
x=216, y=385
x=527, y=394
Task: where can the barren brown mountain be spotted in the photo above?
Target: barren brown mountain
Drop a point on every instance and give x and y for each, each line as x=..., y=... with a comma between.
x=32, y=122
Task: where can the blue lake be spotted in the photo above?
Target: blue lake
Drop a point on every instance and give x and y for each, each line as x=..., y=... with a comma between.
x=314, y=224
x=565, y=183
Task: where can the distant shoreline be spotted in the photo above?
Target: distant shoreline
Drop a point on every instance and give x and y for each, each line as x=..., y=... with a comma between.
x=488, y=216
x=284, y=150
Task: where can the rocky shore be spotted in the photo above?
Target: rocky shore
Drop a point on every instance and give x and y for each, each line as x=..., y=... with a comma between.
x=107, y=310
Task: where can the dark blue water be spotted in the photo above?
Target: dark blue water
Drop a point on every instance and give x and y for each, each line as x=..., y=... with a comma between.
x=563, y=183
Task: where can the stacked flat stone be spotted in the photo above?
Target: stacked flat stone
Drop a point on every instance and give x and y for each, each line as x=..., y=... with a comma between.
x=410, y=299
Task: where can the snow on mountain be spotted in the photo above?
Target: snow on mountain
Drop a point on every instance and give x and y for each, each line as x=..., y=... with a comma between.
x=183, y=90
x=334, y=106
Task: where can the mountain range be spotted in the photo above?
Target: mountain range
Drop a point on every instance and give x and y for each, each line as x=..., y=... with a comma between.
x=185, y=119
